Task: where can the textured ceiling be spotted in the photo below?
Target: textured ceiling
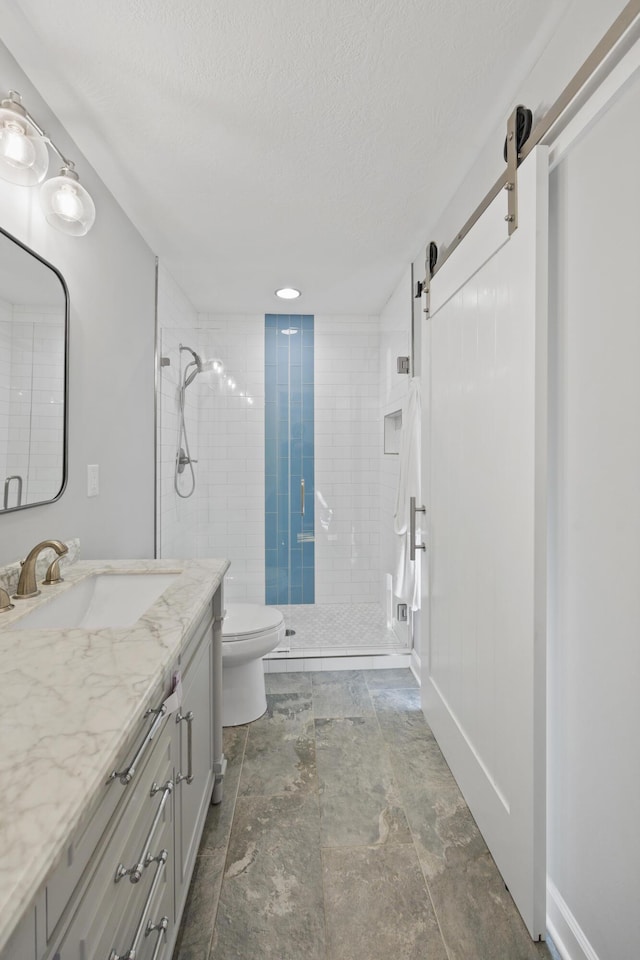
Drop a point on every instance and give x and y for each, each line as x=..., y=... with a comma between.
x=293, y=142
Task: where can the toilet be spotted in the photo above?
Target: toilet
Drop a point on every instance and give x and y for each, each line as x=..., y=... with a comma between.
x=249, y=631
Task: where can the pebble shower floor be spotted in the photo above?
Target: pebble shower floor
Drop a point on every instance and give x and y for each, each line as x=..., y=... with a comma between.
x=338, y=629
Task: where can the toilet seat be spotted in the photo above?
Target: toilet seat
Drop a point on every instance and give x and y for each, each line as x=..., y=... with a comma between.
x=245, y=620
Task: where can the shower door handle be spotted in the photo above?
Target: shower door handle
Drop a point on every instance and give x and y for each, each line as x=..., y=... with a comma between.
x=413, y=546
x=302, y=498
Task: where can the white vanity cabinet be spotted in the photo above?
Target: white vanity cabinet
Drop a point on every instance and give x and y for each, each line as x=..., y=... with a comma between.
x=194, y=761
x=107, y=914
x=119, y=889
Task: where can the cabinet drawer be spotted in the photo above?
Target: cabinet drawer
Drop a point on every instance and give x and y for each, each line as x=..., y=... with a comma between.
x=146, y=927
x=67, y=874
x=108, y=902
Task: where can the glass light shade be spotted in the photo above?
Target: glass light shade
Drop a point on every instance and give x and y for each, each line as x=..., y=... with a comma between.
x=24, y=157
x=67, y=205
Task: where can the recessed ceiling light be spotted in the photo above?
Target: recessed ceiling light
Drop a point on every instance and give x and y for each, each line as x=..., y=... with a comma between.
x=289, y=331
x=287, y=293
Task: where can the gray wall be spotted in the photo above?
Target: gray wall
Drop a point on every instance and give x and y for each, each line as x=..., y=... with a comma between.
x=594, y=609
x=111, y=278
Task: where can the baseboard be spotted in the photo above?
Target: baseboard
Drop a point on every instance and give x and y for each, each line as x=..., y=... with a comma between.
x=566, y=933
x=415, y=665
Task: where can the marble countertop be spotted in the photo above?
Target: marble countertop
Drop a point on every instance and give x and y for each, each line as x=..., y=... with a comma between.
x=70, y=699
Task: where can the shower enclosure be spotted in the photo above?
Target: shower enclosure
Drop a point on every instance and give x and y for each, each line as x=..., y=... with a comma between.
x=280, y=441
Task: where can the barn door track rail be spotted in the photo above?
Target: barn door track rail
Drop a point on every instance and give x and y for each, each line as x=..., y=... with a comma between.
x=522, y=136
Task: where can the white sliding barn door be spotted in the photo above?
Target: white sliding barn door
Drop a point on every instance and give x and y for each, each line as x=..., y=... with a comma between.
x=485, y=347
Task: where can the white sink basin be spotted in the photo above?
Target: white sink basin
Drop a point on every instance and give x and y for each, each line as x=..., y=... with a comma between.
x=102, y=600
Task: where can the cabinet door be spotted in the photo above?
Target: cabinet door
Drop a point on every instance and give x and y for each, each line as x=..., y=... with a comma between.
x=193, y=785
x=22, y=943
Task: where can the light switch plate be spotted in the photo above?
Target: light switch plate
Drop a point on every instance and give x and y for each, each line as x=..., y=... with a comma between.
x=93, y=480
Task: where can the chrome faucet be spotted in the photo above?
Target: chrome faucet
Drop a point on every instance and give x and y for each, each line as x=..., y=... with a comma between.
x=27, y=586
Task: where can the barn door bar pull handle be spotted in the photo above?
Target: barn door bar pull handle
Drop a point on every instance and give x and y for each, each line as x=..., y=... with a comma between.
x=413, y=546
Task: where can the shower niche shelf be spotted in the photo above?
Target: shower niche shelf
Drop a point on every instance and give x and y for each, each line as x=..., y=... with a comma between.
x=392, y=432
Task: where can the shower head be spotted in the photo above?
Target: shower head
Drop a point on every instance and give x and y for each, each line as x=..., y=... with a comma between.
x=210, y=364
x=199, y=365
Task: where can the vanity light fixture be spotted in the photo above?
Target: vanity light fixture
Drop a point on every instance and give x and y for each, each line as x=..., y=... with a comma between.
x=24, y=160
x=287, y=293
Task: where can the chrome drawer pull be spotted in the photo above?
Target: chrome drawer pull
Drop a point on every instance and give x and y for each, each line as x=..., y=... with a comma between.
x=135, y=872
x=189, y=718
x=132, y=952
x=161, y=927
x=125, y=776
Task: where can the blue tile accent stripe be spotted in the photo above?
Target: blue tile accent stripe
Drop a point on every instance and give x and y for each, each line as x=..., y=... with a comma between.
x=289, y=459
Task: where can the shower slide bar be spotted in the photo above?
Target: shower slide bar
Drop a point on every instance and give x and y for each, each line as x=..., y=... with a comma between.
x=16, y=476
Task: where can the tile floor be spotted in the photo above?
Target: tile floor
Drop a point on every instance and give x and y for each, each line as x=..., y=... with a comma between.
x=343, y=835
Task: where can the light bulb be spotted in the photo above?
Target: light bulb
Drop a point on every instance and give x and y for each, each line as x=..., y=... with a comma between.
x=16, y=148
x=66, y=202
x=24, y=156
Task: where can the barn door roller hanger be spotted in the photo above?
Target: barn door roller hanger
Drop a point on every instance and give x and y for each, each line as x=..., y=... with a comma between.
x=518, y=129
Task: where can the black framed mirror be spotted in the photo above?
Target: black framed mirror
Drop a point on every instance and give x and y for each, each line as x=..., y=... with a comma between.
x=34, y=350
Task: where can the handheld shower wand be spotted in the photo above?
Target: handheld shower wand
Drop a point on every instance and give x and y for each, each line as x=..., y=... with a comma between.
x=183, y=455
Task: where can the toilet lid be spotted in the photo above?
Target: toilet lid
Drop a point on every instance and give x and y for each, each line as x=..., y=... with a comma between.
x=248, y=619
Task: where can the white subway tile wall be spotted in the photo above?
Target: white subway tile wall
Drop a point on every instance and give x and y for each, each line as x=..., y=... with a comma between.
x=348, y=446
x=31, y=400
x=47, y=404
x=395, y=341
x=177, y=517
x=5, y=373
x=231, y=451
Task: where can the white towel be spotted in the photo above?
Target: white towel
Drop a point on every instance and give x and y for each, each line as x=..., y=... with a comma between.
x=407, y=575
